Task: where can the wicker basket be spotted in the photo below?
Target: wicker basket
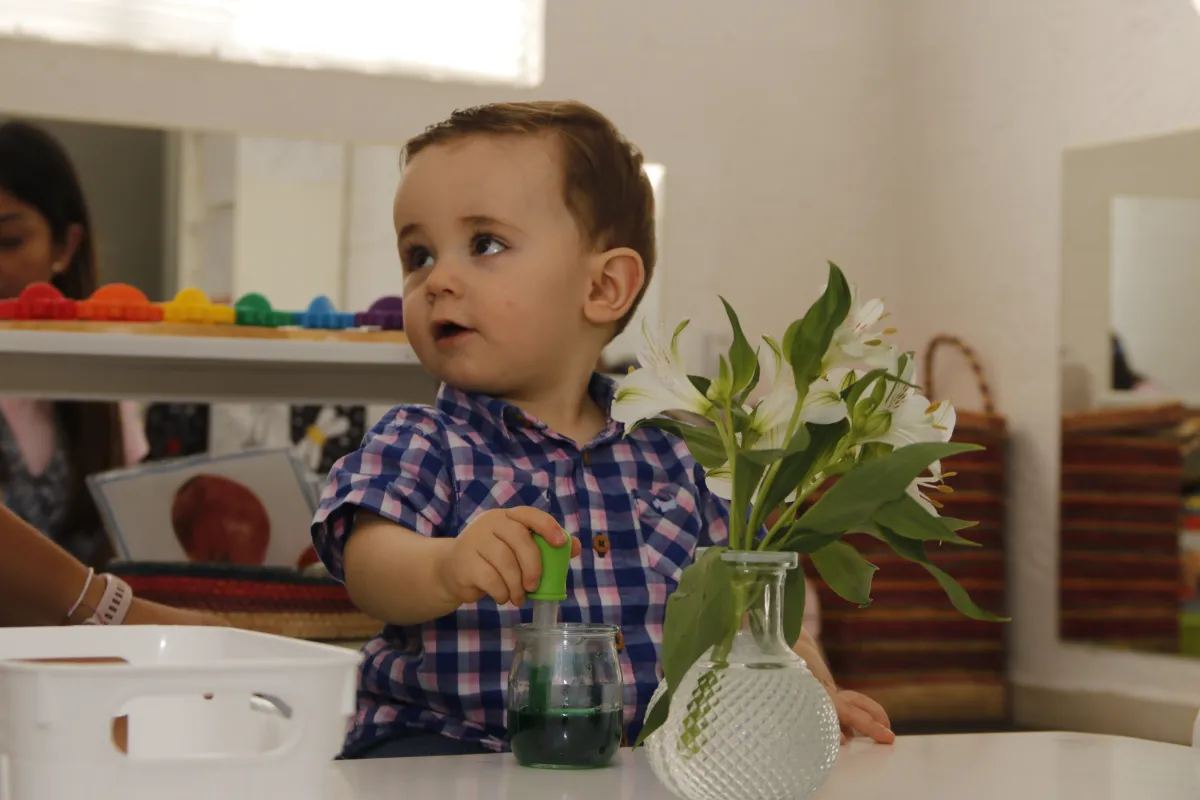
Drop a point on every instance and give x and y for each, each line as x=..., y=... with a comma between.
x=910, y=649
x=266, y=599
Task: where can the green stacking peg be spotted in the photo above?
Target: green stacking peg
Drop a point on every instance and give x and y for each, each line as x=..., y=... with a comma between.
x=555, y=563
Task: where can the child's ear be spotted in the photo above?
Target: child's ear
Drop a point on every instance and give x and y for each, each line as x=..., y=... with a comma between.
x=617, y=277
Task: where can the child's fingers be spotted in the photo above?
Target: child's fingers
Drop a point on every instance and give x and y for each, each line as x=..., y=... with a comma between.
x=481, y=575
x=877, y=712
x=502, y=555
x=515, y=536
x=854, y=716
x=540, y=523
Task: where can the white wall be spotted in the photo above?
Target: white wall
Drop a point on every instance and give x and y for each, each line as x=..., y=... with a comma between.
x=998, y=91
x=1156, y=288
x=776, y=128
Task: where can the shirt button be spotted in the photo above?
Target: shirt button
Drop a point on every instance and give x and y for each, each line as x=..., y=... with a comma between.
x=587, y=457
x=600, y=544
x=620, y=642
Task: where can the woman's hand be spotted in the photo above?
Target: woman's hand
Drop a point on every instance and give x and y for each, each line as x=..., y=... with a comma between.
x=144, y=612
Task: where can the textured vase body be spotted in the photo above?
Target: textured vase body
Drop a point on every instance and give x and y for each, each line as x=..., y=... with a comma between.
x=752, y=724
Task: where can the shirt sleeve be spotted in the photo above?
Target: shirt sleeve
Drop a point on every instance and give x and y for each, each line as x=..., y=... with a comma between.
x=402, y=473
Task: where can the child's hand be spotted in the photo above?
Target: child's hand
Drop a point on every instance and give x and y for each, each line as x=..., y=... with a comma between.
x=496, y=555
x=857, y=712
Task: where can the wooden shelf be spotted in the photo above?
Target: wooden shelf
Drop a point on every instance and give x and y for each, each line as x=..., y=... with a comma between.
x=103, y=361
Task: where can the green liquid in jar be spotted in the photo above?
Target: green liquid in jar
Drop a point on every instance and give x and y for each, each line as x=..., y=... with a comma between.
x=566, y=738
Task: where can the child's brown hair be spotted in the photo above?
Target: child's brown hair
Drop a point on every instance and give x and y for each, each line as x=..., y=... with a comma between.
x=604, y=184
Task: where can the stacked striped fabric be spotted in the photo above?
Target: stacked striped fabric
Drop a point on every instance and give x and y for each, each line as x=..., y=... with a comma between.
x=1120, y=571
x=910, y=649
x=265, y=599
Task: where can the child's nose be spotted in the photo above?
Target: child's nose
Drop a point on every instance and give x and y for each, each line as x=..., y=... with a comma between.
x=445, y=277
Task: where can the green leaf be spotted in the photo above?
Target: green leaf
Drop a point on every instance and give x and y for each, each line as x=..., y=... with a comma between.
x=720, y=393
x=858, y=495
x=851, y=396
x=796, y=468
x=807, y=543
x=747, y=473
x=915, y=551
x=704, y=444
x=807, y=339
x=794, y=599
x=957, y=524
x=656, y=717
x=846, y=572
x=701, y=383
x=908, y=518
x=699, y=615
x=763, y=458
x=743, y=359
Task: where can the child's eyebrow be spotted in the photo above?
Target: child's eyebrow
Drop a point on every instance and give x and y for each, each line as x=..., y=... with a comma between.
x=408, y=230
x=484, y=221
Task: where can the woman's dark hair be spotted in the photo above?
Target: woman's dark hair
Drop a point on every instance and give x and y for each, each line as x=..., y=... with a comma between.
x=36, y=170
x=1123, y=376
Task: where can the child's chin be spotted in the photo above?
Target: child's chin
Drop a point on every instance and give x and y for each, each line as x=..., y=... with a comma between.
x=466, y=378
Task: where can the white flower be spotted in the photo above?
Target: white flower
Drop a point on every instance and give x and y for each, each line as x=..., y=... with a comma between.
x=770, y=418
x=858, y=341
x=660, y=385
x=911, y=417
x=822, y=404
x=932, y=482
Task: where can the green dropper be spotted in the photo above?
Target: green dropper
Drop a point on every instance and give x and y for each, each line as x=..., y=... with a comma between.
x=555, y=563
x=551, y=590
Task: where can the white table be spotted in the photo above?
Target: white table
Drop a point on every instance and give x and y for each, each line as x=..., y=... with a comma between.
x=1002, y=766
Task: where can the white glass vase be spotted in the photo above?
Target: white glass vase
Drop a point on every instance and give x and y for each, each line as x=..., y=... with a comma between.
x=751, y=723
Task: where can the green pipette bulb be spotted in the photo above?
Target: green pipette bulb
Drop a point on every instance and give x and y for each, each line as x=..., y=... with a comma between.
x=555, y=563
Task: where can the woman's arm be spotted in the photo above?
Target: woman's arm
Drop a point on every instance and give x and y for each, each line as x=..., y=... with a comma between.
x=39, y=582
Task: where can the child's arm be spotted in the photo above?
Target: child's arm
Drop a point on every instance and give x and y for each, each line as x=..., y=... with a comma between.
x=388, y=575
x=405, y=578
x=387, y=528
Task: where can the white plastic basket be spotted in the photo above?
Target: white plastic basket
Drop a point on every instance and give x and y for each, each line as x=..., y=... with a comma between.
x=212, y=713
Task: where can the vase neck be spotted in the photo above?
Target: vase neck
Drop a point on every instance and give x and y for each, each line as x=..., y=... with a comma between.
x=758, y=588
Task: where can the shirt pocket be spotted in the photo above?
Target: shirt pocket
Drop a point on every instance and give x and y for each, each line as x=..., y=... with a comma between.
x=501, y=487
x=669, y=524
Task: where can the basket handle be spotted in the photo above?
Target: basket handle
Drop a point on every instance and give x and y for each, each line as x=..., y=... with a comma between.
x=946, y=340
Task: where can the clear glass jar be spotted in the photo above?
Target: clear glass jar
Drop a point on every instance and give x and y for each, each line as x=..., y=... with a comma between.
x=749, y=720
x=564, y=696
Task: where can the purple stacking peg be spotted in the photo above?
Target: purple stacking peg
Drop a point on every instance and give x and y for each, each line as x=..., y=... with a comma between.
x=386, y=313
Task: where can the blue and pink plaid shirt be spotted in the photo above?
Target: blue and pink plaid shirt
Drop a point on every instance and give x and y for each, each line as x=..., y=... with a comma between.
x=637, y=503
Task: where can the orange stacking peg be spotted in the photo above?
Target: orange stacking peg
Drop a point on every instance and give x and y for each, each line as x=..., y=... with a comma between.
x=119, y=302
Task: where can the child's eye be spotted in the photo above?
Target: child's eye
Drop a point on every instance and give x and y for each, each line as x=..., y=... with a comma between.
x=10, y=243
x=484, y=245
x=417, y=257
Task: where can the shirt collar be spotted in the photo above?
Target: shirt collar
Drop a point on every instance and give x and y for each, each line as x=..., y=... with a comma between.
x=493, y=414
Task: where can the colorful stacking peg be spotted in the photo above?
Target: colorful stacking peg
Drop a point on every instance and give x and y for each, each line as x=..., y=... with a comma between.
x=38, y=301
x=386, y=313
x=193, y=306
x=118, y=302
x=255, y=310
x=322, y=313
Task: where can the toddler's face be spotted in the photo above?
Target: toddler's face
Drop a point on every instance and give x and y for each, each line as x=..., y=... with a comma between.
x=495, y=266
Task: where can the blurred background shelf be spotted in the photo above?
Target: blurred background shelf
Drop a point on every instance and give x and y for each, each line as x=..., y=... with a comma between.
x=98, y=361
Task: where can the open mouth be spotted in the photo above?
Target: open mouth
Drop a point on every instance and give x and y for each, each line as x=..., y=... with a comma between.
x=444, y=331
